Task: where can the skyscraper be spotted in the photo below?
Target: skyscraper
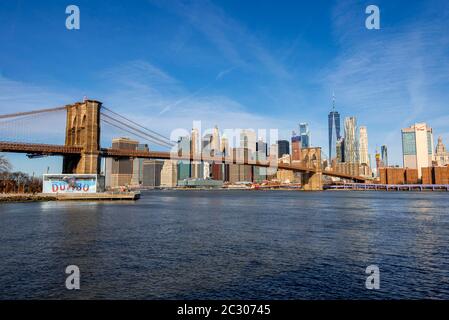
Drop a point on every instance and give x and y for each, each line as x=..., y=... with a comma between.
x=417, y=147
x=215, y=140
x=304, y=133
x=262, y=147
x=296, y=147
x=206, y=145
x=169, y=174
x=121, y=170
x=334, y=128
x=283, y=147
x=248, y=140
x=351, y=141
x=137, y=177
x=259, y=173
x=363, y=151
x=224, y=148
x=184, y=146
x=340, y=148
x=152, y=173
x=195, y=149
x=378, y=163
x=384, y=155
x=184, y=168
x=441, y=156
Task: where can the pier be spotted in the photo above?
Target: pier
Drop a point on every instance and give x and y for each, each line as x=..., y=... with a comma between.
x=101, y=196
x=389, y=187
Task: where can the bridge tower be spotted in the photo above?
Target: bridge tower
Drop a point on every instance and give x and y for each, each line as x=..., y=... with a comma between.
x=312, y=159
x=83, y=130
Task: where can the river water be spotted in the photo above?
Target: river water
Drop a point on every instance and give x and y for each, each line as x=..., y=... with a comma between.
x=229, y=245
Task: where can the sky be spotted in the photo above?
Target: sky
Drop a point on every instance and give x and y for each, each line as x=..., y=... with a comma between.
x=235, y=64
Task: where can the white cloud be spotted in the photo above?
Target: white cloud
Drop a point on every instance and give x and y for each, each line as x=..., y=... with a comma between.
x=231, y=38
x=164, y=106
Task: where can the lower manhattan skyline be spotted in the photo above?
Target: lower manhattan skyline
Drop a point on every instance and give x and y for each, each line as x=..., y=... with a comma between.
x=224, y=159
x=254, y=81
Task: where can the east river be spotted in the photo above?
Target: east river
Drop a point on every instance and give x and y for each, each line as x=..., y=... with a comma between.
x=229, y=245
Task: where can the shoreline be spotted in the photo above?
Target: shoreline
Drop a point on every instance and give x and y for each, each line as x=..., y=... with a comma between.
x=23, y=197
x=133, y=196
x=42, y=197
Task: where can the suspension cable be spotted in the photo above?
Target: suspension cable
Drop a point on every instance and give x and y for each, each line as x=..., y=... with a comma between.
x=19, y=114
x=159, y=141
x=135, y=123
x=146, y=137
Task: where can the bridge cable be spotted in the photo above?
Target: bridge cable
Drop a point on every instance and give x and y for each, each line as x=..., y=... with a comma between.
x=160, y=141
x=139, y=134
x=19, y=114
x=133, y=133
x=135, y=123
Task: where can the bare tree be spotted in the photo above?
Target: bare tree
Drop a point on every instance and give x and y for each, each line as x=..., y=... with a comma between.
x=5, y=166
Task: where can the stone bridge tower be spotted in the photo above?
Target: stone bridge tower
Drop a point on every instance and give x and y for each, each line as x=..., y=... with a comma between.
x=312, y=159
x=83, y=130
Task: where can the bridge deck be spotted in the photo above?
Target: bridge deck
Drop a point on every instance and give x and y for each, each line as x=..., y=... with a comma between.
x=44, y=149
x=61, y=150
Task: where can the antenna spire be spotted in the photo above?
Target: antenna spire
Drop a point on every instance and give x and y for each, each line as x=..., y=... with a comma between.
x=333, y=101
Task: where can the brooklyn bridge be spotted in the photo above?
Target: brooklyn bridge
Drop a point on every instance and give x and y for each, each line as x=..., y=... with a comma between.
x=82, y=151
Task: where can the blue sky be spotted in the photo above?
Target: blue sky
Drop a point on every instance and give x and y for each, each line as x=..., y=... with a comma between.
x=237, y=64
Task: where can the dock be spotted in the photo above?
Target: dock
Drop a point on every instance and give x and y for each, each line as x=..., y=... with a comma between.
x=102, y=196
x=389, y=187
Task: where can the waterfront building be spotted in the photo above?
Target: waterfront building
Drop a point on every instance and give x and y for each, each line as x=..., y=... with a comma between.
x=363, y=151
x=206, y=145
x=152, y=173
x=215, y=143
x=121, y=170
x=283, y=147
x=351, y=141
x=304, y=133
x=196, y=169
x=441, y=157
x=378, y=163
x=333, y=128
x=417, y=147
x=262, y=147
x=248, y=140
x=184, y=169
x=240, y=172
x=435, y=175
x=384, y=155
x=224, y=148
x=218, y=171
x=184, y=166
x=184, y=146
x=200, y=183
x=206, y=170
x=169, y=174
x=296, y=147
x=340, y=150
x=137, y=177
x=260, y=173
